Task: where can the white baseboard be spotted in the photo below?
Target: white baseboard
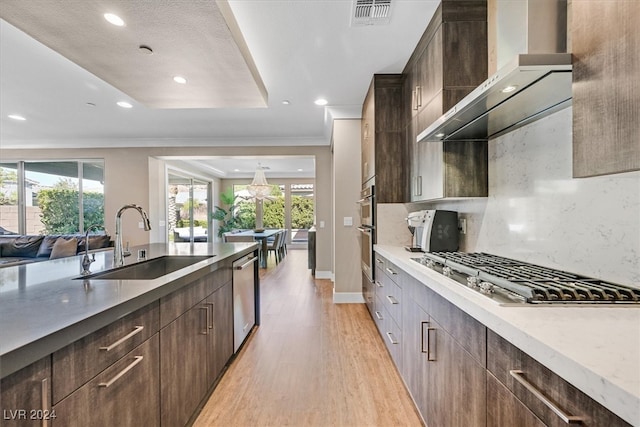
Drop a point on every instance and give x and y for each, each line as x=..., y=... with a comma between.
x=324, y=275
x=347, y=297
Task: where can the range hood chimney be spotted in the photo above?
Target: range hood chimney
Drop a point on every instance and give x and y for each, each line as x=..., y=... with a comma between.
x=528, y=47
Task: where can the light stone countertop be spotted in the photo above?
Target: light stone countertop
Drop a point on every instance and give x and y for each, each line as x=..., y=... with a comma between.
x=43, y=307
x=596, y=349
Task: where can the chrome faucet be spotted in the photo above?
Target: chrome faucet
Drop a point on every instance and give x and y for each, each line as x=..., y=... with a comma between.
x=86, y=261
x=118, y=257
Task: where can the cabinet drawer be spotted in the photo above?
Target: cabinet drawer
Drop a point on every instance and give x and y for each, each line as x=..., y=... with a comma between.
x=77, y=363
x=125, y=394
x=504, y=408
x=539, y=384
x=390, y=295
x=379, y=314
x=392, y=337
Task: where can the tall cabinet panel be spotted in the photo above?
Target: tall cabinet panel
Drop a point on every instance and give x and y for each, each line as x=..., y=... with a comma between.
x=449, y=61
x=383, y=142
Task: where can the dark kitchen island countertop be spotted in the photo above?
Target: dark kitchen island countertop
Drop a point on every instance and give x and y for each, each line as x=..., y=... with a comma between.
x=43, y=307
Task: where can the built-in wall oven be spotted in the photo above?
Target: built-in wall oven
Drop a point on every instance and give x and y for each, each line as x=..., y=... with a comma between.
x=367, y=229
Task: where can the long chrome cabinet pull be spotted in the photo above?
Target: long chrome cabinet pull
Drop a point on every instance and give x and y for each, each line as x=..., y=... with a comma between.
x=422, y=348
x=431, y=355
x=135, y=331
x=137, y=360
x=44, y=394
x=205, y=330
x=246, y=264
x=518, y=375
x=391, y=339
x=392, y=300
x=393, y=273
x=210, y=317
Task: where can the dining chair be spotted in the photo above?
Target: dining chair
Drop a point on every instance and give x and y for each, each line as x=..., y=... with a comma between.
x=275, y=246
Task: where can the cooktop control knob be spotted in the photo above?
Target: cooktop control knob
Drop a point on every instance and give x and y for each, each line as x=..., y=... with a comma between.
x=472, y=281
x=446, y=271
x=429, y=263
x=486, y=287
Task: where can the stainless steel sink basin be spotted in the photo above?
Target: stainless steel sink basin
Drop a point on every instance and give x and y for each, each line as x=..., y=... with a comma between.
x=148, y=270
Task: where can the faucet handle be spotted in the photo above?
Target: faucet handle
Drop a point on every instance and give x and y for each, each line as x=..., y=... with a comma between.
x=126, y=251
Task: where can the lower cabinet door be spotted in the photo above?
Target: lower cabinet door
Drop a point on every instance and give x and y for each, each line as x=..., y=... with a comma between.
x=124, y=394
x=220, y=338
x=183, y=365
x=25, y=396
x=504, y=408
x=414, y=367
x=456, y=383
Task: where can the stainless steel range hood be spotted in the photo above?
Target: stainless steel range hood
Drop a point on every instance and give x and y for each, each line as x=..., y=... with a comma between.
x=534, y=82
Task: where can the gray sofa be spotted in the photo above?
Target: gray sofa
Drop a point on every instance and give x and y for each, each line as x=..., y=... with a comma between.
x=16, y=249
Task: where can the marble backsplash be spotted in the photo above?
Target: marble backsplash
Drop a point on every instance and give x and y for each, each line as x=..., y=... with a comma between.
x=537, y=212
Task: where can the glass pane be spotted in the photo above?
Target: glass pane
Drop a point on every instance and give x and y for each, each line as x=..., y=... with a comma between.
x=273, y=208
x=302, y=212
x=178, y=226
x=93, y=195
x=200, y=211
x=245, y=208
x=9, y=222
x=51, y=198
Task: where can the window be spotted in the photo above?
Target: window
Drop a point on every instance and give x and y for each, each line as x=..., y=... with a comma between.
x=53, y=197
x=188, y=208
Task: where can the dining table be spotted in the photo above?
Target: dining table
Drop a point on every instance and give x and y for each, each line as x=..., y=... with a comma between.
x=261, y=236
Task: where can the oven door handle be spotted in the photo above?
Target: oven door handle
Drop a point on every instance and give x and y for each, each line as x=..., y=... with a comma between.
x=365, y=229
x=365, y=200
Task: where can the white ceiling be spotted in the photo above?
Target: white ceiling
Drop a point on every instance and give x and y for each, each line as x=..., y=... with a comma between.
x=303, y=49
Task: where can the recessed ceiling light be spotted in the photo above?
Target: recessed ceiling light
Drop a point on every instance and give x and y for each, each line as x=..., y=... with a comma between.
x=299, y=170
x=286, y=102
x=114, y=19
x=16, y=117
x=124, y=104
x=509, y=89
x=321, y=101
x=180, y=79
x=236, y=170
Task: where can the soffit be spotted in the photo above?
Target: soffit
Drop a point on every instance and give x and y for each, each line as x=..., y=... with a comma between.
x=197, y=39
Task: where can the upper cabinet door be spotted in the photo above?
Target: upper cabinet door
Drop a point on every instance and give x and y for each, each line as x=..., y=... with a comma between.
x=606, y=87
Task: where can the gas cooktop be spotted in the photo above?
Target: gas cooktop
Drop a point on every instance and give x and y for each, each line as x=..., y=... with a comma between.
x=511, y=282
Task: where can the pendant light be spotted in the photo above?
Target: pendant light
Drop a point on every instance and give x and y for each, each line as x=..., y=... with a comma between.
x=259, y=188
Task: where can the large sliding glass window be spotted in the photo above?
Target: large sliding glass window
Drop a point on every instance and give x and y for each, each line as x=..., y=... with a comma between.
x=188, y=206
x=302, y=212
x=53, y=197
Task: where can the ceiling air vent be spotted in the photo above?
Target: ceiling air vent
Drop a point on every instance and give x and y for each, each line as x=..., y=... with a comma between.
x=371, y=12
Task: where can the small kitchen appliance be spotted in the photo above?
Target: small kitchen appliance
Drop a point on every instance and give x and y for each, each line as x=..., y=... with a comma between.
x=435, y=230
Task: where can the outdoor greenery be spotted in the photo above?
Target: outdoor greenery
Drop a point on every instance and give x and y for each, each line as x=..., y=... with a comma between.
x=240, y=213
x=60, y=208
x=8, y=177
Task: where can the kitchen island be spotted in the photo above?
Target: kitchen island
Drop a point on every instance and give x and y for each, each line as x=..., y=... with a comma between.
x=594, y=348
x=74, y=331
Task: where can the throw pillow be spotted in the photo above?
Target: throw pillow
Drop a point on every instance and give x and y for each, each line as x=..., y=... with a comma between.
x=64, y=248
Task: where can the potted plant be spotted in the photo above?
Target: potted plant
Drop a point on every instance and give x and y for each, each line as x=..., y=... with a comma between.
x=227, y=217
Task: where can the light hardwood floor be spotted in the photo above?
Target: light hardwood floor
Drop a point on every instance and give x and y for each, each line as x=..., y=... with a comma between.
x=310, y=362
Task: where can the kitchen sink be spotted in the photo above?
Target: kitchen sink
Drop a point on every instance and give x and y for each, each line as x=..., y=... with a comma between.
x=148, y=270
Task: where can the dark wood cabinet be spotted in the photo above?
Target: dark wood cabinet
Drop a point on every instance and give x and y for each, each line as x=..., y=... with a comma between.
x=383, y=142
x=533, y=384
x=183, y=365
x=124, y=394
x=195, y=348
x=220, y=337
x=77, y=363
x=456, y=382
x=415, y=362
x=508, y=410
x=449, y=62
x=606, y=87
x=25, y=396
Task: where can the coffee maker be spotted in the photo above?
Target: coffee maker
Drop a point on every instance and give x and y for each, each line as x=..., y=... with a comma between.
x=434, y=230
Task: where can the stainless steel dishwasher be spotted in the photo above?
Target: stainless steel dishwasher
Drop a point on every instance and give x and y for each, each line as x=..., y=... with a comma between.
x=245, y=291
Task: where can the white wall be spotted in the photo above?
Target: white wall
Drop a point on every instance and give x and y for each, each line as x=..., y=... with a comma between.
x=537, y=212
x=346, y=166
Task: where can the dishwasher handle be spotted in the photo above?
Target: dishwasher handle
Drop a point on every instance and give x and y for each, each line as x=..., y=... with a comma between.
x=246, y=264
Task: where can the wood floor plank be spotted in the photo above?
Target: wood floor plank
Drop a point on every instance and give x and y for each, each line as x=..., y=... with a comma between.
x=310, y=363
